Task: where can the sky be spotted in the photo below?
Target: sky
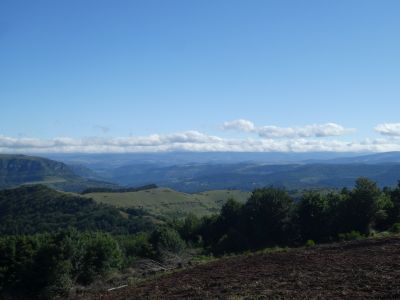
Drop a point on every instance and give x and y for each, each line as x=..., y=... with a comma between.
x=190, y=75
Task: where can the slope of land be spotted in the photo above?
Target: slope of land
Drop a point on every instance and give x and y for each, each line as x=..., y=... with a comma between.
x=170, y=203
x=365, y=269
x=18, y=170
x=39, y=209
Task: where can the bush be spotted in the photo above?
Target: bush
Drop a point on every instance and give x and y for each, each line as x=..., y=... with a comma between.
x=395, y=228
x=310, y=243
x=134, y=247
x=166, y=239
x=102, y=255
x=189, y=228
x=350, y=236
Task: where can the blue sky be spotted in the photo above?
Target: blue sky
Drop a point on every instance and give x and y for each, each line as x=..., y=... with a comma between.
x=95, y=73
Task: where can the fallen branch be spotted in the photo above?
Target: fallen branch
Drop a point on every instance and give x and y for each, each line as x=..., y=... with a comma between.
x=117, y=288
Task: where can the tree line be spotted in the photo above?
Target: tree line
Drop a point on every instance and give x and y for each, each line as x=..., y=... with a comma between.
x=271, y=217
x=118, y=190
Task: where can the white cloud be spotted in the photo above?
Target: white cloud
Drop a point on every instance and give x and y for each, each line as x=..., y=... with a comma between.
x=388, y=129
x=176, y=141
x=239, y=125
x=269, y=139
x=190, y=141
x=274, y=132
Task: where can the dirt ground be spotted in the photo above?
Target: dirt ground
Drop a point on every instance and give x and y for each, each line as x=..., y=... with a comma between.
x=366, y=269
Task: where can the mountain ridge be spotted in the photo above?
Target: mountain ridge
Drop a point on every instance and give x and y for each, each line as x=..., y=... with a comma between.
x=16, y=170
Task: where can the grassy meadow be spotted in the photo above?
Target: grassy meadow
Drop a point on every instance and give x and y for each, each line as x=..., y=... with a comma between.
x=170, y=203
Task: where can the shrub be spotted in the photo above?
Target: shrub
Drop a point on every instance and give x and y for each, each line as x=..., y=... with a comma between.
x=350, y=236
x=102, y=255
x=310, y=243
x=134, y=247
x=189, y=228
x=167, y=239
x=395, y=228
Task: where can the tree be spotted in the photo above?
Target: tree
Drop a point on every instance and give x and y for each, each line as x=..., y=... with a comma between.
x=189, y=228
x=267, y=214
x=231, y=216
x=336, y=213
x=393, y=212
x=362, y=206
x=312, y=217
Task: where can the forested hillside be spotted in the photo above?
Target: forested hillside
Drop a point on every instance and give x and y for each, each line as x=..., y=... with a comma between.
x=39, y=209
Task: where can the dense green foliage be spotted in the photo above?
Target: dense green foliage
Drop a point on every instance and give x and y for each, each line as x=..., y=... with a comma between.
x=38, y=209
x=51, y=241
x=45, y=265
x=167, y=239
x=271, y=217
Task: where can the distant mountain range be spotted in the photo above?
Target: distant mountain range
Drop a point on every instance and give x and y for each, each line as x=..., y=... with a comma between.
x=377, y=158
x=197, y=172
x=247, y=176
x=18, y=170
x=115, y=160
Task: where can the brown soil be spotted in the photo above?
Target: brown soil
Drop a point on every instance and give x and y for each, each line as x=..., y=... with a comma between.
x=367, y=269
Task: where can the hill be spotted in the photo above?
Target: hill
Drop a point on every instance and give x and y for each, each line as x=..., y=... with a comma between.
x=18, y=170
x=193, y=178
x=169, y=203
x=365, y=269
x=39, y=209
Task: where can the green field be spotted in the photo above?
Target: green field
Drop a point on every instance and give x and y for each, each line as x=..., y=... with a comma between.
x=169, y=203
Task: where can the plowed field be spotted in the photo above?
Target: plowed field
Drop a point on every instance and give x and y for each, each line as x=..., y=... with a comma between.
x=366, y=269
